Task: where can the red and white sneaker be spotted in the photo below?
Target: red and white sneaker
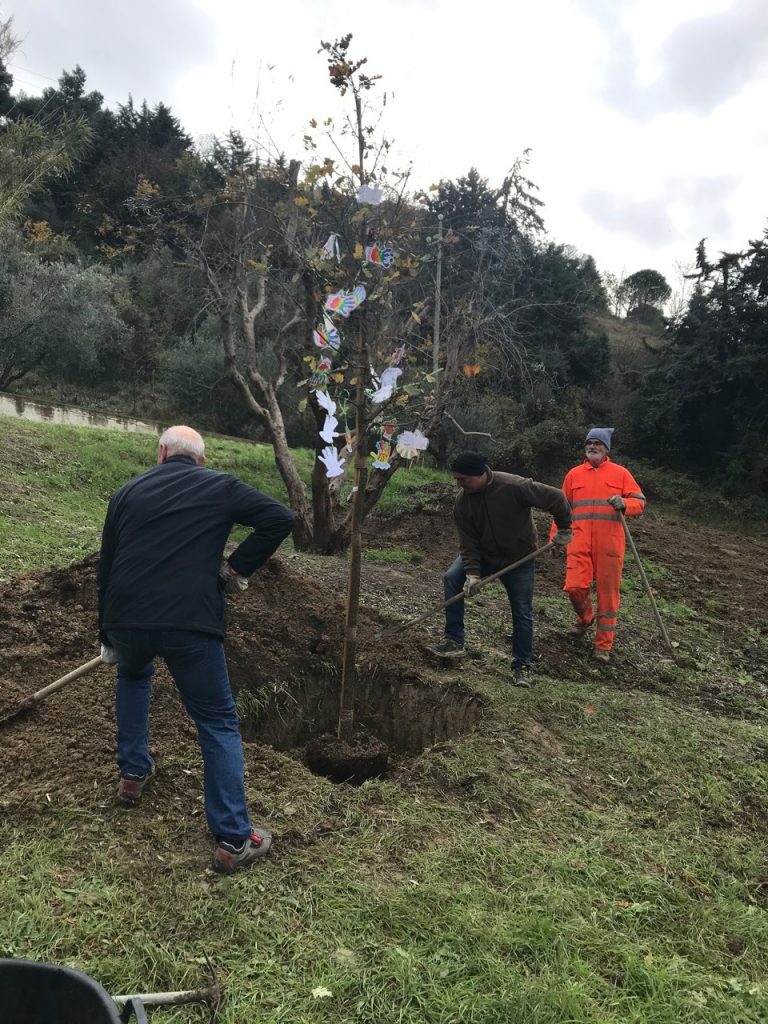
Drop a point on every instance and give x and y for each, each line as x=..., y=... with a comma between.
x=130, y=787
x=228, y=858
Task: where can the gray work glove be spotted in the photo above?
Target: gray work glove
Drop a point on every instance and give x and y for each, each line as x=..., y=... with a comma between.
x=232, y=581
x=108, y=655
x=616, y=501
x=562, y=538
x=470, y=585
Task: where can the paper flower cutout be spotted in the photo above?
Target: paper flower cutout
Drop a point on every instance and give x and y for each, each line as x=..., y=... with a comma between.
x=382, y=455
x=370, y=194
x=379, y=257
x=319, y=380
x=330, y=250
x=329, y=429
x=334, y=466
x=410, y=443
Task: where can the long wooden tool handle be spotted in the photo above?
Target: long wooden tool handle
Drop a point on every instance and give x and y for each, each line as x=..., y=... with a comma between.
x=57, y=685
x=460, y=597
x=646, y=584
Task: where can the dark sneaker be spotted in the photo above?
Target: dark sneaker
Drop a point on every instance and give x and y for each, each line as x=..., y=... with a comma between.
x=227, y=858
x=580, y=629
x=130, y=787
x=521, y=676
x=448, y=649
x=600, y=655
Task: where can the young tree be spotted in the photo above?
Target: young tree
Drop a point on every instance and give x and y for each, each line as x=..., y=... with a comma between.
x=274, y=241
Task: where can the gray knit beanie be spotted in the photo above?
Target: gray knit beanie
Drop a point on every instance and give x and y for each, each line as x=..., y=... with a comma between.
x=600, y=434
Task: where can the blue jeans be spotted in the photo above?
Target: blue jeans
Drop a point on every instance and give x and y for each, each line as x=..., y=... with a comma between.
x=196, y=662
x=519, y=587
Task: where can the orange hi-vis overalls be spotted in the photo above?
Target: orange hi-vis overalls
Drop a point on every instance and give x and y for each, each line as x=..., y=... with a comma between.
x=597, y=549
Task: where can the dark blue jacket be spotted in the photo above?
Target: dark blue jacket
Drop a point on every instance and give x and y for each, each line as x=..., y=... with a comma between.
x=163, y=541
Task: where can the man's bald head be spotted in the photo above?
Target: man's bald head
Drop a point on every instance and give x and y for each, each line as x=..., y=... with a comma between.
x=181, y=441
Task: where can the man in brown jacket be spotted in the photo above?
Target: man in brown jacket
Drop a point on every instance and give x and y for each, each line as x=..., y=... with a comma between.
x=495, y=527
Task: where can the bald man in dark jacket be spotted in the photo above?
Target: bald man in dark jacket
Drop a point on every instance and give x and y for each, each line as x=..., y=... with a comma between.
x=161, y=594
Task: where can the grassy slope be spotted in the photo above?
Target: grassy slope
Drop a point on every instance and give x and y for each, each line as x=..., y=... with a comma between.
x=592, y=854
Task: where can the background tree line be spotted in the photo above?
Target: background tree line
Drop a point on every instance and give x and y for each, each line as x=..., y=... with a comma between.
x=141, y=272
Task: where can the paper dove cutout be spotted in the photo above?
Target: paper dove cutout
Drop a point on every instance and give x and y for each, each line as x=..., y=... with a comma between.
x=329, y=429
x=370, y=194
x=410, y=443
x=331, y=249
x=386, y=385
x=325, y=401
x=334, y=466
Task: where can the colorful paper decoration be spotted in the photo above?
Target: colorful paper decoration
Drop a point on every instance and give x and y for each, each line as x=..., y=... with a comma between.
x=379, y=257
x=326, y=336
x=318, y=381
x=370, y=194
x=330, y=250
x=345, y=303
x=334, y=465
x=410, y=443
x=382, y=455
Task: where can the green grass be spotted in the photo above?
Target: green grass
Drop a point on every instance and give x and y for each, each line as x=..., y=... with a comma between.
x=593, y=854
x=393, y=556
x=57, y=482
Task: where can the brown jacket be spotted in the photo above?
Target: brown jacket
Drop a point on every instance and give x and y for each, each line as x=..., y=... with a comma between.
x=496, y=526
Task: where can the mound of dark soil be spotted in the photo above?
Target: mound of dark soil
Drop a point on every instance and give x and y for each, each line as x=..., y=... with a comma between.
x=64, y=749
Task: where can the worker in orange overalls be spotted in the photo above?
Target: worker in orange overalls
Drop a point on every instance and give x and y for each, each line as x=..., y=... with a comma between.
x=598, y=490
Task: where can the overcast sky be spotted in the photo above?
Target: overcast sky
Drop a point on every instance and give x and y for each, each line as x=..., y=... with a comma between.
x=646, y=119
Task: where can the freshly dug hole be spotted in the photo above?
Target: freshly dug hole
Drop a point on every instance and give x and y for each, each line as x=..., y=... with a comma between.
x=403, y=714
x=356, y=762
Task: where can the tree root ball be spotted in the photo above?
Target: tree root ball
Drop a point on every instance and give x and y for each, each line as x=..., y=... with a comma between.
x=364, y=758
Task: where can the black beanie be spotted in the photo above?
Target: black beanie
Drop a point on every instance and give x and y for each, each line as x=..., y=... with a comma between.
x=469, y=464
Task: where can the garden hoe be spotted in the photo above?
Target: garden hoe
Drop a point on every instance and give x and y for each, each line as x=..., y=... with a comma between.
x=210, y=995
x=382, y=633
x=33, y=700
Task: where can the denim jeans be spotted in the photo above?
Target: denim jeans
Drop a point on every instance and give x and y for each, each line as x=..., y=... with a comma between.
x=519, y=587
x=196, y=662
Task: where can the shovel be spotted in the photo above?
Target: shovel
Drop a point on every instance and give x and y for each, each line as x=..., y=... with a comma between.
x=33, y=700
x=382, y=633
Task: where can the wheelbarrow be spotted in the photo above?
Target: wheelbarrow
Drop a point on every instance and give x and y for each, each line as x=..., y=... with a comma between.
x=35, y=993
